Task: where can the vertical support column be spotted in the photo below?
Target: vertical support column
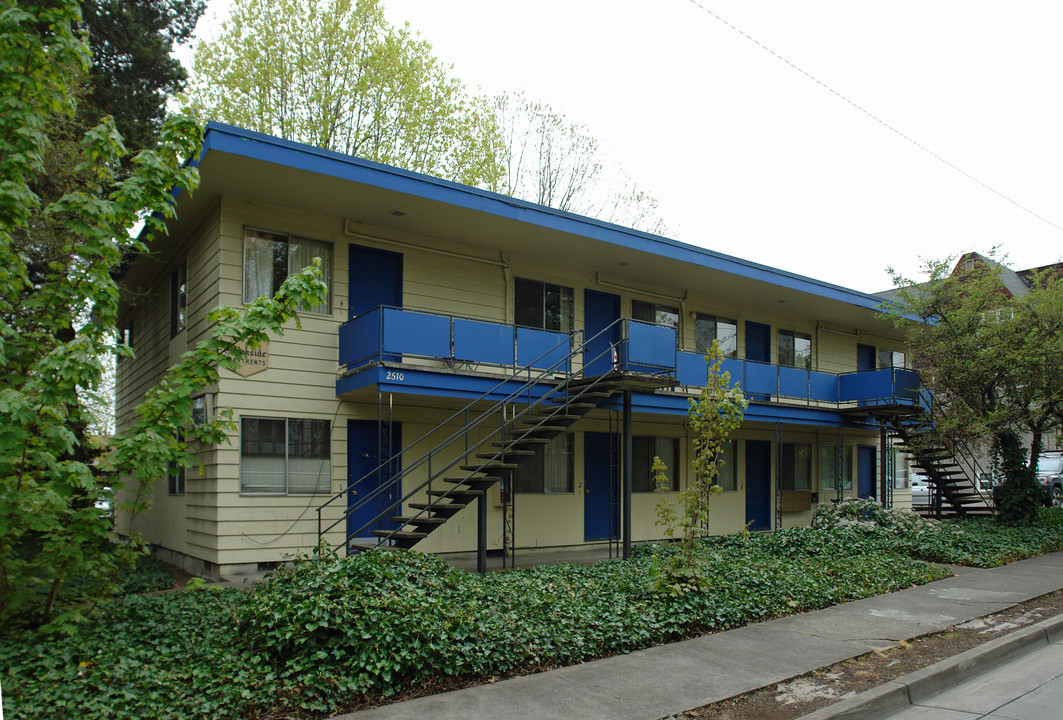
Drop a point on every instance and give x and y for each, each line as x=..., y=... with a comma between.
x=481, y=533
x=626, y=522
x=883, y=464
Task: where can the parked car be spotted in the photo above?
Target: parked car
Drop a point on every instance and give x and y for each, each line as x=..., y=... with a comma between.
x=1050, y=474
x=920, y=490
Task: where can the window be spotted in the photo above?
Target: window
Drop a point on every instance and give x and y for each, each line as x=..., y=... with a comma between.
x=199, y=410
x=176, y=476
x=725, y=332
x=728, y=477
x=899, y=467
x=796, y=467
x=643, y=450
x=828, y=470
x=542, y=306
x=656, y=314
x=178, y=298
x=890, y=359
x=549, y=471
x=270, y=257
x=285, y=456
x=795, y=349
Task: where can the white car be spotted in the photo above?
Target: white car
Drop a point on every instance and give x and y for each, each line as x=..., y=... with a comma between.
x=920, y=490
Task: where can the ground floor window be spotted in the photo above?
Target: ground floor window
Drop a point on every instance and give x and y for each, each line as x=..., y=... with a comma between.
x=285, y=456
x=728, y=477
x=828, y=467
x=550, y=470
x=796, y=470
x=643, y=450
x=175, y=484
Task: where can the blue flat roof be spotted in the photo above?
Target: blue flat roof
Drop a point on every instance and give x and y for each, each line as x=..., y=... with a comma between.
x=267, y=148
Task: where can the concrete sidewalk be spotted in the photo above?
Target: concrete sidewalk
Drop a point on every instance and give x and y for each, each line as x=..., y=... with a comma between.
x=668, y=679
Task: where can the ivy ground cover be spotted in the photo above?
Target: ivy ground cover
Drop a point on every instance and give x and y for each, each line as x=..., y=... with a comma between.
x=326, y=634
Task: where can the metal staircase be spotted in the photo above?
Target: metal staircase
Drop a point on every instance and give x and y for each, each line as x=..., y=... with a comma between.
x=952, y=474
x=496, y=435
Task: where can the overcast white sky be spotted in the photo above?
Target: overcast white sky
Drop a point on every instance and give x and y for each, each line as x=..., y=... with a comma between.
x=750, y=157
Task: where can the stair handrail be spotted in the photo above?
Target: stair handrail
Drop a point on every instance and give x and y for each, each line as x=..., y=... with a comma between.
x=536, y=377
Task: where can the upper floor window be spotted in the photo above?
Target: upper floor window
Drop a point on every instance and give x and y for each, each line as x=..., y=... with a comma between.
x=795, y=349
x=542, y=306
x=178, y=297
x=890, y=359
x=270, y=257
x=654, y=313
x=550, y=470
x=643, y=450
x=724, y=331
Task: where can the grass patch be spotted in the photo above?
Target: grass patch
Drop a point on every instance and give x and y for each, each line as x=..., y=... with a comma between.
x=325, y=634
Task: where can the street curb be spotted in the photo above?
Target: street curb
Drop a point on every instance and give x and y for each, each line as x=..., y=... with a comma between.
x=903, y=692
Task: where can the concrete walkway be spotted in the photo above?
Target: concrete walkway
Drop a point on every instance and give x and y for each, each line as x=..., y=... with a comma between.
x=668, y=679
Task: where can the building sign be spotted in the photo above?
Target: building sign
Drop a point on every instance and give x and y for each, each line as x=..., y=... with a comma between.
x=255, y=361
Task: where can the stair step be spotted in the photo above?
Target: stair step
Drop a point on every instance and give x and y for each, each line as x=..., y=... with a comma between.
x=447, y=509
x=419, y=520
x=489, y=467
x=522, y=441
x=481, y=481
x=558, y=417
x=400, y=534
x=542, y=430
x=456, y=493
x=509, y=452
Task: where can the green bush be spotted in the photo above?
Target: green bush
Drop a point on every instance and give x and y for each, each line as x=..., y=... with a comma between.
x=325, y=634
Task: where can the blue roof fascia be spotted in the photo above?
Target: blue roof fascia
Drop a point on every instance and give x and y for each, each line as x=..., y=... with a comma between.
x=267, y=148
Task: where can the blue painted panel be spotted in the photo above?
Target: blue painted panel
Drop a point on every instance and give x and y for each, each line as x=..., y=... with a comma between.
x=485, y=342
x=359, y=339
x=413, y=333
x=690, y=369
x=824, y=387
x=793, y=382
x=761, y=379
x=863, y=386
x=906, y=385
x=649, y=346
x=543, y=349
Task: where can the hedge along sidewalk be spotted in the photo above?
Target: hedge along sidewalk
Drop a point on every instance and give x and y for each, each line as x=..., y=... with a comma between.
x=669, y=679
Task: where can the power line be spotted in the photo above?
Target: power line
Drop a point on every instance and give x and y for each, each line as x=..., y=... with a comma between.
x=871, y=115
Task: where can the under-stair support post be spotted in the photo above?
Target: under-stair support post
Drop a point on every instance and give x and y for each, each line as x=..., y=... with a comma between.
x=481, y=533
x=883, y=465
x=626, y=522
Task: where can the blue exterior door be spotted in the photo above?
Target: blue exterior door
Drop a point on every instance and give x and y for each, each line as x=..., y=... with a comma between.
x=758, y=342
x=600, y=506
x=758, y=484
x=375, y=279
x=865, y=469
x=363, y=457
x=600, y=310
x=865, y=357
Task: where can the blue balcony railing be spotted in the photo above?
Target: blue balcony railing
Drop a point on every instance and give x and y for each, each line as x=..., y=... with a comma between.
x=393, y=334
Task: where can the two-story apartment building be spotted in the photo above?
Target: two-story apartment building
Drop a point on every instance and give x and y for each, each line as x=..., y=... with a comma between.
x=477, y=346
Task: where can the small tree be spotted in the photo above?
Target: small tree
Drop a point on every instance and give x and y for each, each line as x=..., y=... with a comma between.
x=712, y=418
x=993, y=362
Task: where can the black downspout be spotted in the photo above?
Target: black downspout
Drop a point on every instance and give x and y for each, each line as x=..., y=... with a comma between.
x=626, y=530
x=883, y=465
